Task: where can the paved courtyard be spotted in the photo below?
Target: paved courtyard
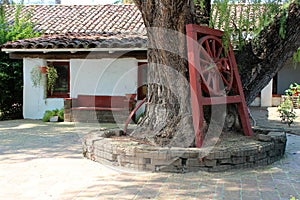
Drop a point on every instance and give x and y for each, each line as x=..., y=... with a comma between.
x=43, y=161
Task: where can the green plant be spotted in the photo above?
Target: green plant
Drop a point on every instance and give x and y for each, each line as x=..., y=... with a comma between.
x=287, y=114
x=293, y=90
x=51, y=78
x=60, y=115
x=293, y=198
x=11, y=71
x=252, y=18
x=296, y=56
x=51, y=113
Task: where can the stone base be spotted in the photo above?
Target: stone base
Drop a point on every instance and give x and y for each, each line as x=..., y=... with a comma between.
x=230, y=153
x=102, y=116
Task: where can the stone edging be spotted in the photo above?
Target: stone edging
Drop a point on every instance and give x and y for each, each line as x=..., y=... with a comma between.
x=124, y=152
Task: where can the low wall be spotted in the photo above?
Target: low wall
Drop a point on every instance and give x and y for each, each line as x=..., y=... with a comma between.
x=232, y=153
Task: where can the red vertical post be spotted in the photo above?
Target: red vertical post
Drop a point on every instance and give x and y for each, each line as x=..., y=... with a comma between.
x=242, y=106
x=195, y=84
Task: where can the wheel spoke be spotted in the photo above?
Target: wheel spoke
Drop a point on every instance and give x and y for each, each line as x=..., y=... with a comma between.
x=209, y=79
x=214, y=48
x=225, y=67
x=219, y=52
x=226, y=82
x=216, y=84
x=216, y=68
x=204, y=61
x=208, y=49
x=208, y=68
x=204, y=55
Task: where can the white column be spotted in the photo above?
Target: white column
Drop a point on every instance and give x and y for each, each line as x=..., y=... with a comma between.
x=266, y=95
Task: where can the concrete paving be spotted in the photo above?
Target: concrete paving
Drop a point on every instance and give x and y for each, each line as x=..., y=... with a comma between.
x=43, y=161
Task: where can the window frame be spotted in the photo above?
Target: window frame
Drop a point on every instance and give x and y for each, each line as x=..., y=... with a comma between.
x=59, y=95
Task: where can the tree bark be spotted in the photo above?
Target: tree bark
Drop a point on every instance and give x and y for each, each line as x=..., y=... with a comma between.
x=168, y=119
x=260, y=60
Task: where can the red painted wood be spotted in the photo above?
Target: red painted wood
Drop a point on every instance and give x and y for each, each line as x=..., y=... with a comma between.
x=194, y=33
x=98, y=108
x=221, y=100
x=204, y=30
x=242, y=107
x=198, y=117
x=101, y=101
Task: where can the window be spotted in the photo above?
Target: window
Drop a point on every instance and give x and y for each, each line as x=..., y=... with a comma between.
x=62, y=85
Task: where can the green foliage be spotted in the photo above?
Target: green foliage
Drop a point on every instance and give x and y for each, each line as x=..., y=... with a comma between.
x=293, y=198
x=293, y=90
x=51, y=77
x=11, y=88
x=21, y=27
x=241, y=22
x=285, y=109
x=11, y=71
x=287, y=114
x=51, y=113
x=36, y=77
x=296, y=56
x=284, y=15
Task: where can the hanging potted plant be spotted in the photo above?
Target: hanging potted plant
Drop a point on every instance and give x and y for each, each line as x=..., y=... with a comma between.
x=43, y=69
x=51, y=78
x=36, y=76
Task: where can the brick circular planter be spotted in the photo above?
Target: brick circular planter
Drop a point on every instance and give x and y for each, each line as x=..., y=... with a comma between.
x=232, y=153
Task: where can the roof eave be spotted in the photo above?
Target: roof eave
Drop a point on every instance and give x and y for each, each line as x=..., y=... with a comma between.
x=74, y=50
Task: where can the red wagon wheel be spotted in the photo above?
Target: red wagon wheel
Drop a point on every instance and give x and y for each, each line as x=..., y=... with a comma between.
x=215, y=66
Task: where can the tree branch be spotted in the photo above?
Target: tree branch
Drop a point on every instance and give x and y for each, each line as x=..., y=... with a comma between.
x=260, y=60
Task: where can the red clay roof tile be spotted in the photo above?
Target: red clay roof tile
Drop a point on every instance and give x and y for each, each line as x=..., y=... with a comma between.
x=89, y=25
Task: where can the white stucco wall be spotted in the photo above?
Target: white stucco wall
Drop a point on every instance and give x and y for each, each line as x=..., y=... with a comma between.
x=34, y=101
x=266, y=95
x=87, y=76
x=103, y=76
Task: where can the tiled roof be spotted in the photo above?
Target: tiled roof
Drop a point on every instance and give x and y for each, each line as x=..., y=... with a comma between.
x=80, y=41
x=82, y=26
x=101, y=26
x=60, y=19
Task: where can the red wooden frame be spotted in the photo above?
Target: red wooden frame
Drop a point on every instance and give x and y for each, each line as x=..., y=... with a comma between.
x=60, y=95
x=194, y=32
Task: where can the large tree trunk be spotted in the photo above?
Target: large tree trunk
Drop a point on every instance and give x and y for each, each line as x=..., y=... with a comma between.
x=168, y=119
x=260, y=60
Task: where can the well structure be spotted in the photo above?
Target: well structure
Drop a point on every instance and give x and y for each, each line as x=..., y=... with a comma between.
x=235, y=152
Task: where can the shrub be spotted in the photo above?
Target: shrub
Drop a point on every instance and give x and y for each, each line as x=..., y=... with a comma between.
x=287, y=114
x=11, y=71
x=51, y=113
